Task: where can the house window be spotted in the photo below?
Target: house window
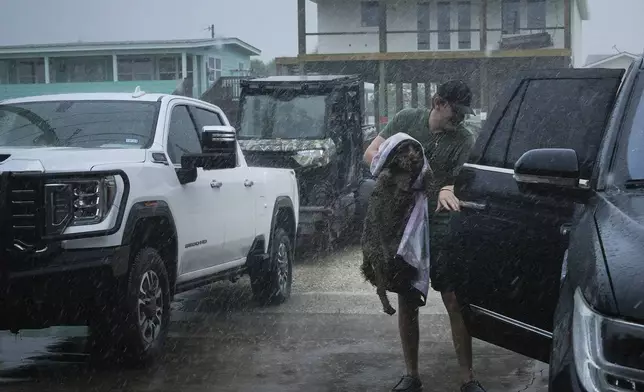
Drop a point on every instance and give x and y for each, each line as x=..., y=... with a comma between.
x=169, y=68
x=214, y=69
x=536, y=14
x=423, y=26
x=5, y=66
x=443, y=21
x=464, y=25
x=81, y=69
x=370, y=14
x=30, y=71
x=511, y=16
x=135, y=68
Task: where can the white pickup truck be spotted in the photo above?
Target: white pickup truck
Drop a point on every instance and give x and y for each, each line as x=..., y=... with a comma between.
x=112, y=203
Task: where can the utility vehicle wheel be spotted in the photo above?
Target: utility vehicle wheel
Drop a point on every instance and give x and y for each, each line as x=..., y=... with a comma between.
x=135, y=326
x=271, y=282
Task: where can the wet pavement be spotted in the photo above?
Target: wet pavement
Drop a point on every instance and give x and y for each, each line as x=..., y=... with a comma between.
x=330, y=336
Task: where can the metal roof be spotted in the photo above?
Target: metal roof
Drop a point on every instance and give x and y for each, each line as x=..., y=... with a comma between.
x=304, y=78
x=598, y=59
x=128, y=45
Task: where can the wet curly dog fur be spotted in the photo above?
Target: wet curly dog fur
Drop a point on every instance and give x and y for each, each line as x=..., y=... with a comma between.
x=389, y=208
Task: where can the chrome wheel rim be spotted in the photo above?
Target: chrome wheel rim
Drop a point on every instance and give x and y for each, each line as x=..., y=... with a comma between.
x=282, y=267
x=150, y=307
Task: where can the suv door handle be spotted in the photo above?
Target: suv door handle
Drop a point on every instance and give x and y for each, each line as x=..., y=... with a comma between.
x=248, y=183
x=473, y=205
x=215, y=184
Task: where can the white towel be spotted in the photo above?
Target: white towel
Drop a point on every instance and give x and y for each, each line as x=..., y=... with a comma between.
x=414, y=246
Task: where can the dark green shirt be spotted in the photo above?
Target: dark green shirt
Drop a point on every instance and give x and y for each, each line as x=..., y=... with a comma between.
x=446, y=152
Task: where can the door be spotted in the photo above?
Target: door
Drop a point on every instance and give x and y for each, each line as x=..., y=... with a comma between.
x=511, y=243
x=198, y=205
x=236, y=190
x=239, y=213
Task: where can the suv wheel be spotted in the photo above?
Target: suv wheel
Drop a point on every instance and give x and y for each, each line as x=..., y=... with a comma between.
x=135, y=326
x=271, y=282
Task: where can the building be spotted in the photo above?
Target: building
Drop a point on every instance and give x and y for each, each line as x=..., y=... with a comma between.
x=188, y=67
x=422, y=43
x=620, y=60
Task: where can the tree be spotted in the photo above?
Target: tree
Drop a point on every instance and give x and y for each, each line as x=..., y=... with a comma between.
x=258, y=68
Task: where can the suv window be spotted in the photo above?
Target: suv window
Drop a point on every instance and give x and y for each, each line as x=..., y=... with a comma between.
x=182, y=136
x=497, y=146
x=567, y=124
x=205, y=117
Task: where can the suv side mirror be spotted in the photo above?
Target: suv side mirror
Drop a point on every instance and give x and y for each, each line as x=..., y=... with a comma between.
x=548, y=170
x=219, y=146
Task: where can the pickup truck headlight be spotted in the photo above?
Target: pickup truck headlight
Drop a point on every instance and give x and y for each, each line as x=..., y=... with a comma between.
x=78, y=202
x=599, y=367
x=317, y=157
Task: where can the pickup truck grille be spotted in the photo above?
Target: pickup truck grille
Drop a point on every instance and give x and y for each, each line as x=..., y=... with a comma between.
x=25, y=209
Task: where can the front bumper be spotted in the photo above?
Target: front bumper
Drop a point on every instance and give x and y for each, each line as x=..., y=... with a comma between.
x=39, y=291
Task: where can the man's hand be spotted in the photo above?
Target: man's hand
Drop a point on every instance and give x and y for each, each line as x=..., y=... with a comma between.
x=447, y=200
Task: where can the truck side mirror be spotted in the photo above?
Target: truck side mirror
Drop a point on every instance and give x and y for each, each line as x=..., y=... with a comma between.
x=219, y=149
x=551, y=172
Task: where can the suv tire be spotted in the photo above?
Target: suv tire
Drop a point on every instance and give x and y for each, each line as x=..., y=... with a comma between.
x=271, y=282
x=135, y=325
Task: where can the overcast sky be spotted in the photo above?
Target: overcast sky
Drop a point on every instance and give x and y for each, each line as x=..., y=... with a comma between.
x=270, y=25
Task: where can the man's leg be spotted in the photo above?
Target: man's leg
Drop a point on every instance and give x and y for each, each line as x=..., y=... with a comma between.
x=460, y=336
x=409, y=333
x=409, y=336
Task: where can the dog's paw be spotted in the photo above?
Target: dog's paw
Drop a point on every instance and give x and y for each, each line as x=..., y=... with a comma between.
x=389, y=310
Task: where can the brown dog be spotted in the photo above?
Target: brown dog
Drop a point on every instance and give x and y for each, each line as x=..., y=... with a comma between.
x=389, y=208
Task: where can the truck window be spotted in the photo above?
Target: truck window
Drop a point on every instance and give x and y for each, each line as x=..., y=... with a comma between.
x=565, y=124
x=82, y=124
x=633, y=151
x=205, y=118
x=497, y=146
x=183, y=137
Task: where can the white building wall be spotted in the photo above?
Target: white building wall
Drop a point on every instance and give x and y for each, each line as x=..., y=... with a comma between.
x=576, y=35
x=345, y=16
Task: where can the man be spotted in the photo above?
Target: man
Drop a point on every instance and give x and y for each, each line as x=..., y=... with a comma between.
x=447, y=145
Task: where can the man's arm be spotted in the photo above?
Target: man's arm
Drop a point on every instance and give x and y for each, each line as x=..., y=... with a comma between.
x=373, y=149
x=394, y=126
x=447, y=200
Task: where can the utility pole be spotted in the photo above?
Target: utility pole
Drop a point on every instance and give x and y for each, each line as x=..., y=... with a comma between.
x=212, y=30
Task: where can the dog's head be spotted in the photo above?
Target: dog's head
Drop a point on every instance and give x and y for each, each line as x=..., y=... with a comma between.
x=406, y=157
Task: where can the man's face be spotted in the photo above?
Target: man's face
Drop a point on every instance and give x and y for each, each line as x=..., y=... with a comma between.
x=443, y=114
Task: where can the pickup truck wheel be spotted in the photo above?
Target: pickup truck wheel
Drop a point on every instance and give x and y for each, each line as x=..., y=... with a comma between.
x=136, y=326
x=272, y=284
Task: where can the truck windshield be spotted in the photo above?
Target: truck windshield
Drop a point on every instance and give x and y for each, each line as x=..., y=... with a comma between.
x=85, y=124
x=635, y=144
x=269, y=117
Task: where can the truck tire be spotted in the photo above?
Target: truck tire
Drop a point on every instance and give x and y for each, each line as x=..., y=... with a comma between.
x=271, y=283
x=134, y=327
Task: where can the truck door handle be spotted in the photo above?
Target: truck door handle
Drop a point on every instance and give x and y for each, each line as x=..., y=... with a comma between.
x=473, y=205
x=248, y=183
x=215, y=184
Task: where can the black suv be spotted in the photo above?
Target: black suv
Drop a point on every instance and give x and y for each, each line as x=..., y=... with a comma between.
x=551, y=236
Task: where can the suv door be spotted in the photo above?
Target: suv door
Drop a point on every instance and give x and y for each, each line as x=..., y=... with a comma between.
x=511, y=244
x=198, y=205
x=237, y=197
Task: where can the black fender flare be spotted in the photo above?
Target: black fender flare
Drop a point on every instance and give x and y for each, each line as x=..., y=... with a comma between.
x=260, y=250
x=282, y=202
x=142, y=210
